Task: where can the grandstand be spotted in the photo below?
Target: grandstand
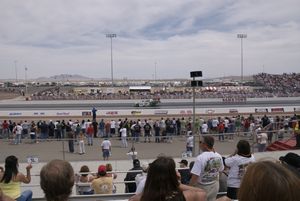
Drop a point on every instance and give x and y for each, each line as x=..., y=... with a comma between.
x=263, y=85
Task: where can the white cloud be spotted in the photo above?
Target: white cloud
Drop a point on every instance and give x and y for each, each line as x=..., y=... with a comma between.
x=68, y=36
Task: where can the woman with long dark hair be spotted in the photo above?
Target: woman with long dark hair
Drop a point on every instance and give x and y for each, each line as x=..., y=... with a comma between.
x=11, y=179
x=162, y=184
x=237, y=163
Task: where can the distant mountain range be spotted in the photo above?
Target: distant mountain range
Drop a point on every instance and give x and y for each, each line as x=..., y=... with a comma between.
x=64, y=77
x=76, y=77
x=68, y=77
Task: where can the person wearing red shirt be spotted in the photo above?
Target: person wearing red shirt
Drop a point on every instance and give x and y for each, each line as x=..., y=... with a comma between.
x=90, y=134
x=5, y=132
x=221, y=129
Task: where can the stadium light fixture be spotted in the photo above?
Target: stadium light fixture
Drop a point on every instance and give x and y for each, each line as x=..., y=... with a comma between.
x=242, y=36
x=111, y=36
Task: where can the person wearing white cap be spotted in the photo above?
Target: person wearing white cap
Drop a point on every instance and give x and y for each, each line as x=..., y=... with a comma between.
x=142, y=176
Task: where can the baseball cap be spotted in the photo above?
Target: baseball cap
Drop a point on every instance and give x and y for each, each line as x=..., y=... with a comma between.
x=101, y=168
x=291, y=159
x=145, y=166
x=136, y=162
x=183, y=161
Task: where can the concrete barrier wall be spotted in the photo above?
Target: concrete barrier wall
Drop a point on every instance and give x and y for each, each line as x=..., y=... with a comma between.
x=146, y=112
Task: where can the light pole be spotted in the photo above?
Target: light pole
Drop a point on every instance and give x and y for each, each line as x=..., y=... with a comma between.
x=241, y=36
x=194, y=84
x=155, y=72
x=16, y=70
x=111, y=36
x=26, y=80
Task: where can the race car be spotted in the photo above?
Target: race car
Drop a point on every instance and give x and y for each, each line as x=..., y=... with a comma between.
x=147, y=103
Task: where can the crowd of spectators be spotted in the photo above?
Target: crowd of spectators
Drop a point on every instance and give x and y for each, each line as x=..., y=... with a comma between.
x=286, y=85
x=143, y=129
x=179, y=93
x=264, y=85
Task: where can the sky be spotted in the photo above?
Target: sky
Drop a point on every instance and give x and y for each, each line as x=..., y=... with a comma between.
x=156, y=39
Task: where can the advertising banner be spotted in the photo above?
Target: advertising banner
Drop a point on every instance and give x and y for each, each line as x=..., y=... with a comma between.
x=261, y=110
x=111, y=113
x=136, y=112
x=62, y=113
x=38, y=113
x=277, y=109
x=161, y=112
x=231, y=111
x=15, y=114
x=86, y=113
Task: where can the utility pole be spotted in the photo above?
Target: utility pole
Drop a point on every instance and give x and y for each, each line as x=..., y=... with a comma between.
x=26, y=80
x=155, y=72
x=16, y=70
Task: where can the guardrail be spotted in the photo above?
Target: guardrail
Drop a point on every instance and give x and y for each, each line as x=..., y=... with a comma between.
x=179, y=140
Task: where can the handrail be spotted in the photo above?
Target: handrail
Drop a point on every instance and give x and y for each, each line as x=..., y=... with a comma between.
x=105, y=197
x=109, y=172
x=95, y=197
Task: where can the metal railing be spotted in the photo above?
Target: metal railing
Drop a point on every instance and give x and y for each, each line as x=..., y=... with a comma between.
x=63, y=151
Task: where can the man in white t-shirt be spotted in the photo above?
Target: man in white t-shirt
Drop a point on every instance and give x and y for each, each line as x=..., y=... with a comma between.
x=262, y=139
x=112, y=127
x=18, y=133
x=226, y=124
x=106, y=148
x=123, y=132
x=204, y=128
x=205, y=173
